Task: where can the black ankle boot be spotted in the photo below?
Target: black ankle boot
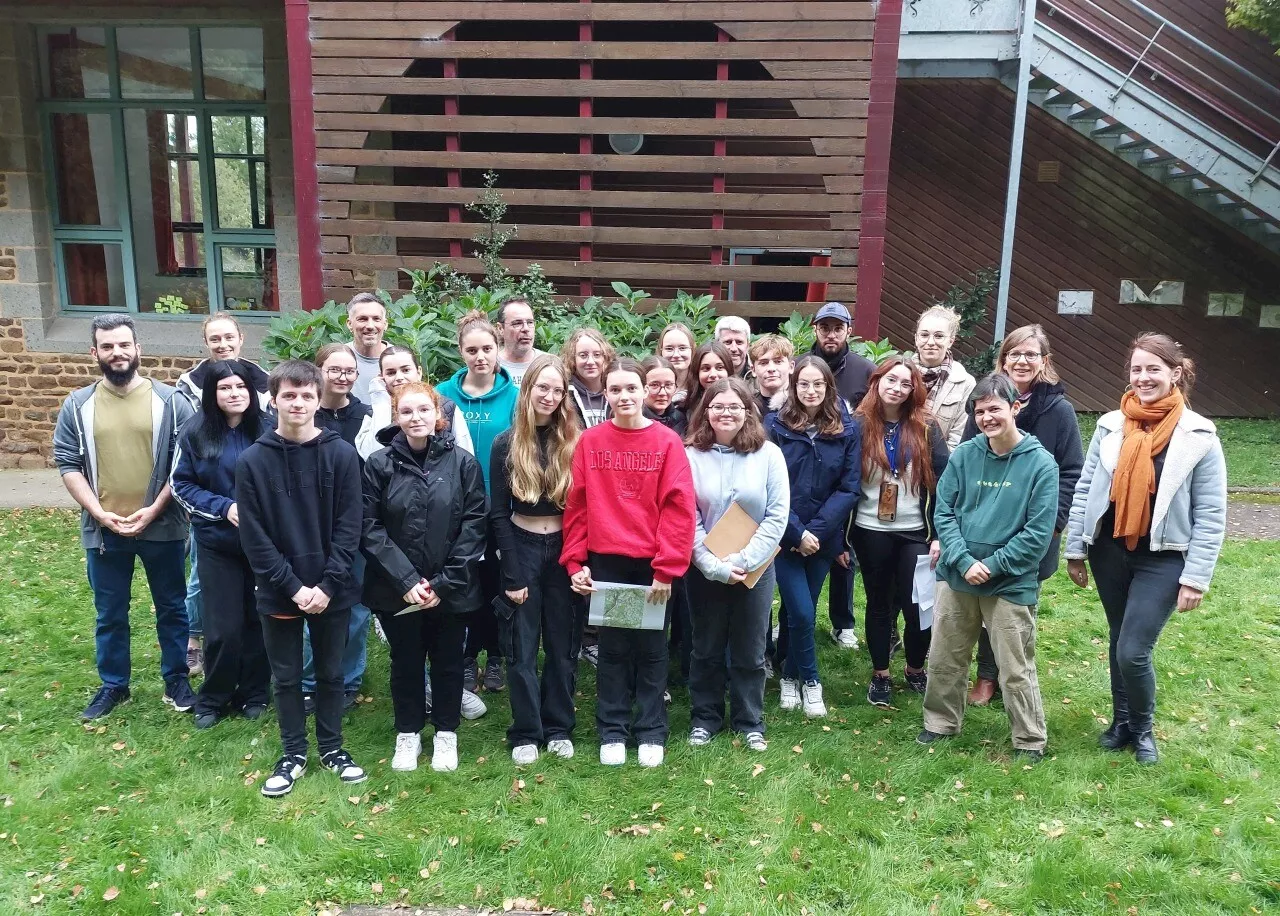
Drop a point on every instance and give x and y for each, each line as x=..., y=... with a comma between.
x=1117, y=737
x=1144, y=748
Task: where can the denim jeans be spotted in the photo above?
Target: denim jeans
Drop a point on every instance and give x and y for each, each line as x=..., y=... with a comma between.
x=412, y=639
x=1139, y=592
x=110, y=572
x=730, y=628
x=236, y=671
x=800, y=581
x=355, y=655
x=541, y=712
x=283, y=639
x=888, y=563
x=195, y=619
x=840, y=595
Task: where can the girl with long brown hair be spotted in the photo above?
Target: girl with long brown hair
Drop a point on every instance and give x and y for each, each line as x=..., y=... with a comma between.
x=531, y=473
x=711, y=362
x=903, y=454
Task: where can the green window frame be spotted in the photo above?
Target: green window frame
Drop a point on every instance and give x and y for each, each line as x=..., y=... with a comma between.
x=221, y=247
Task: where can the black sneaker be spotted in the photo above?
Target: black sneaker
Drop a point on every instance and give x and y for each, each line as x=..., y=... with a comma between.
x=928, y=737
x=340, y=762
x=350, y=698
x=591, y=655
x=470, y=674
x=178, y=694
x=105, y=700
x=493, y=677
x=917, y=681
x=289, y=769
x=880, y=692
x=308, y=705
x=207, y=719
x=1028, y=756
x=255, y=710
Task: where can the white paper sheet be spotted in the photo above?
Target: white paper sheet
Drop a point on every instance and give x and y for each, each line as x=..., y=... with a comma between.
x=922, y=588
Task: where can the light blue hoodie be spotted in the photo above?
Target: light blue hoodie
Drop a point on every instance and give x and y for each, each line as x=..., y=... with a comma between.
x=758, y=482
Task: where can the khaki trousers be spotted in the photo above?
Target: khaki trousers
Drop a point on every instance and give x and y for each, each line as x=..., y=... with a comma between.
x=957, y=619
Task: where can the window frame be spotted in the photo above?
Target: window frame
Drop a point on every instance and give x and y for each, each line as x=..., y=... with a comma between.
x=215, y=237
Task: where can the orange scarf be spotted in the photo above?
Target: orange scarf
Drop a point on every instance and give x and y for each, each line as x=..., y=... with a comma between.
x=1147, y=430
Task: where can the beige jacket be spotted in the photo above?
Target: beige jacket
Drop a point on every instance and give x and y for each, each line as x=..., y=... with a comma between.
x=949, y=402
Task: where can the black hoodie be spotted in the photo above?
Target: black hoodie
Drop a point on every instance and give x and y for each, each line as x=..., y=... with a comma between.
x=300, y=516
x=345, y=421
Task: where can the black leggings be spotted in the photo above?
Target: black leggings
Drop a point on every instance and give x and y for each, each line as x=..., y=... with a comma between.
x=888, y=562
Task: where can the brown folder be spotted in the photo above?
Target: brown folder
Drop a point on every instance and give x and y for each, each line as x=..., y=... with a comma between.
x=730, y=534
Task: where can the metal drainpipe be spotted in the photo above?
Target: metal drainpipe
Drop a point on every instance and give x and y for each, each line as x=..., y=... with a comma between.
x=1015, y=166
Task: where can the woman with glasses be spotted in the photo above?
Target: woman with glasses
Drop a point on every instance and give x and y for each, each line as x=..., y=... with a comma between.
x=660, y=386
x=339, y=410
x=733, y=461
x=711, y=362
x=822, y=445
x=676, y=344
x=586, y=355
x=947, y=381
x=903, y=456
x=1044, y=412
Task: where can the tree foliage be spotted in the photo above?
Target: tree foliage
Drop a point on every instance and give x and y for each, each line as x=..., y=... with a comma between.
x=1261, y=16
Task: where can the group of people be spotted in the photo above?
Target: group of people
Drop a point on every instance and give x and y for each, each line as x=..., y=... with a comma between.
x=481, y=515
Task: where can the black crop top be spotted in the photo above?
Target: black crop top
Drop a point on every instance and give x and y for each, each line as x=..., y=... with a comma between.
x=503, y=503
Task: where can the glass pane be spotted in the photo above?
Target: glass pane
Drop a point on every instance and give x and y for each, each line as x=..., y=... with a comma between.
x=167, y=210
x=95, y=274
x=230, y=134
x=249, y=278
x=154, y=63
x=262, y=197
x=235, y=210
x=85, y=169
x=258, y=135
x=75, y=64
x=232, y=64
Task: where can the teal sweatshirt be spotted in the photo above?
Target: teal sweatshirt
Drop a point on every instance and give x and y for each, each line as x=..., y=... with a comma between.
x=1000, y=510
x=487, y=416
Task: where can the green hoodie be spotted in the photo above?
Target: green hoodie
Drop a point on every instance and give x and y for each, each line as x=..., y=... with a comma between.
x=1000, y=510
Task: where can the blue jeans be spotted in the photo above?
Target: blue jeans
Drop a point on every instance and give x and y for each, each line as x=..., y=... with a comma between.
x=800, y=583
x=195, y=619
x=354, y=656
x=110, y=573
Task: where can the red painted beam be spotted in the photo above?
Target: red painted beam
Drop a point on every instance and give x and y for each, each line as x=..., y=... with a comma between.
x=875, y=185
x=297, y=31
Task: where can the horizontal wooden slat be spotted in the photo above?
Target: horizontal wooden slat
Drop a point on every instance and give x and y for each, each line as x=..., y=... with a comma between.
x=598, y=12
x=667, y=165
x=831, y=72
x=851, y=30
x=639, y=200
x=670, y=127
x=596, y=88
x=595, y=50
x=679, y=273
x=611, y=235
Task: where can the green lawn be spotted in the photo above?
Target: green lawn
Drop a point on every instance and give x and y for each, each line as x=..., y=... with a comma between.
x=841, y=817
x=1252, y=448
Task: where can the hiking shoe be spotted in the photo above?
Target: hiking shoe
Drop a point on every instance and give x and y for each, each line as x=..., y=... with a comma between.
x=917, y=681
x=255, y=710
x=1117, y=737
x=524, y=754
x=1026, y=755
x=613, y=754
x=755, y=741
x=207, y=719
x=472, y=706
x=698, y=736
x=178, y=694
x=650, y=755
x=289, y=769
x=470, y=674
x=105, y=700
x=880, y=692
x=928, y=737
x=349, y=699
x=591, y=655
x=790, y=696
x=195, y=661
x=811, y=699
x=340, y=762
x=308, y=705
x=561, y=747
x=444, y=756
x=408, y=748
x=494, y=680
x=845, y=639
x=982, y=692
x=1144, y=748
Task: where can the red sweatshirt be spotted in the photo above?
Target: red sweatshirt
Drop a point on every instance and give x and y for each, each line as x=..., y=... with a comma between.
x=639, y=488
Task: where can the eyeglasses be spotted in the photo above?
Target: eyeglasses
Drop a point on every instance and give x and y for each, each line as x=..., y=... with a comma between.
x=677, y=349
x=731, y=409
x=336, y=373
x=1018, y=357
x=520, y=323
x=905, y=386
x=545, y=390
x=659, y=387
x=811, y=386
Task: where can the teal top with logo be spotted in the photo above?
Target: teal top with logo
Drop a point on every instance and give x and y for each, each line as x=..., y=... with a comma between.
x=488, y=415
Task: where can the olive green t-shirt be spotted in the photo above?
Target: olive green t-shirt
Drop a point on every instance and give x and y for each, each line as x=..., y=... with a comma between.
x=122, y=440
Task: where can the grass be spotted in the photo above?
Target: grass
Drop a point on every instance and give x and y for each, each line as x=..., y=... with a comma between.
x=844, y=816
x=1252, y=448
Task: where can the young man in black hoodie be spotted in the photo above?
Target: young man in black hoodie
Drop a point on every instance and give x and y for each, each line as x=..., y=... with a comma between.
x=300, y=507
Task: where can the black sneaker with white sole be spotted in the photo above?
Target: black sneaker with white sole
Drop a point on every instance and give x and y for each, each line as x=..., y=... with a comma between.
x=105, y=700
x=880, y=691
x=289, y=769
x=178, y=694
x=340, y=762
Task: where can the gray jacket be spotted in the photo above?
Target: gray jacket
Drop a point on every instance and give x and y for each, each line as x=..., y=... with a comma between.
x=73, y=450
x=1189, y=513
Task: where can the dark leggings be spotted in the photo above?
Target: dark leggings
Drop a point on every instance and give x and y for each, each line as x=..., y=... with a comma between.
x=888, y=562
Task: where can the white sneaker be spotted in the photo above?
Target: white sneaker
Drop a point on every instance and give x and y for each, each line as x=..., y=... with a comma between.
x=444, y=759
x=613, y=754
x=790, y=698
x=561, y=747
x=408, y=747
x=755, y=741
x=472, y=706
x=650, y=755
x=524, y=754
x=845, y=639
x=811, y=694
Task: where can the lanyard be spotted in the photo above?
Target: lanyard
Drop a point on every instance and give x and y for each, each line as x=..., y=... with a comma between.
x=891, y=446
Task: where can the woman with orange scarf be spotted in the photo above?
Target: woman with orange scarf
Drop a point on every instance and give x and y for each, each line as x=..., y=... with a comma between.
x=1149, y=515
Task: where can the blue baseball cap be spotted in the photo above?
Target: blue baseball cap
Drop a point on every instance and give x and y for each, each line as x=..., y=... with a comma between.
x=833, y=310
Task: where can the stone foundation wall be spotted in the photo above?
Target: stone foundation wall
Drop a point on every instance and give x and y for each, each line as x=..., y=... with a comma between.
x=34, y=385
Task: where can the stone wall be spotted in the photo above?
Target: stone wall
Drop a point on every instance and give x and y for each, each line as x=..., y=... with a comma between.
x=34, y=385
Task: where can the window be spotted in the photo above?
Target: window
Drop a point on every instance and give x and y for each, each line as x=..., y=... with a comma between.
x=160, y=182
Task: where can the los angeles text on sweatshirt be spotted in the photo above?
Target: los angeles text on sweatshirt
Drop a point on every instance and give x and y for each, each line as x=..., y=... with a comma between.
x=632, y=496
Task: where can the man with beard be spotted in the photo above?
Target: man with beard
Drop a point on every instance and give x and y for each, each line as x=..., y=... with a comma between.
x=114, y=445
x=833, y=324
x=514, y=319
x=367, y=322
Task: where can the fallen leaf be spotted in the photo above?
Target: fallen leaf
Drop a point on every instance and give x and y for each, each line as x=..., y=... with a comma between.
x=678, y=856
x=817, y=828
x=119, y=746
x=354, y=799
x=756, y=770
x=201, y=893
x=376, y=887
x=260, y=889
x=111, y=893
x=261, y=841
